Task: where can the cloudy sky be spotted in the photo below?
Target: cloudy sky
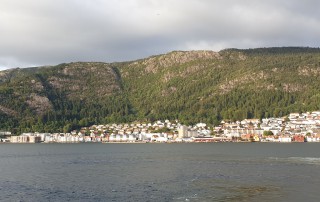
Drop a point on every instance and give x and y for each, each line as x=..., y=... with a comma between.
x=49, y=32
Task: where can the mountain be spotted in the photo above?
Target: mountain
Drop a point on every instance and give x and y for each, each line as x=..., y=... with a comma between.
x=191, y=86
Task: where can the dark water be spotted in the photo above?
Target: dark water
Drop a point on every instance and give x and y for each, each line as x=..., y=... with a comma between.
x=160, y=172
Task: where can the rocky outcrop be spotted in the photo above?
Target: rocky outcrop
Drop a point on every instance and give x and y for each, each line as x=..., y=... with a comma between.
x=39, y=103
x=153, y=64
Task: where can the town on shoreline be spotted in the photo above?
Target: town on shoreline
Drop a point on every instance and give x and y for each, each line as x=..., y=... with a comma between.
x=296, y=127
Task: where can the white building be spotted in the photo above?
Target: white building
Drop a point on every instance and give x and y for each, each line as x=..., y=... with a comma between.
x=183, y=131
x=285, y=139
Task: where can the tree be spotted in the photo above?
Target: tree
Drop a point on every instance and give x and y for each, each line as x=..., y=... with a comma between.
x=162, y=130
x=267, y=133
x=67, y=128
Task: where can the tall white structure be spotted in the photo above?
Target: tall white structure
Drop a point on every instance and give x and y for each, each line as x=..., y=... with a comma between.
x=183, y=131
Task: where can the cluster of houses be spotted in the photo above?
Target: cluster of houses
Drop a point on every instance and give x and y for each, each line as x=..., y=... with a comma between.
x=159, y=131
x=304, y=127
x=153, y=132
x=73, y=137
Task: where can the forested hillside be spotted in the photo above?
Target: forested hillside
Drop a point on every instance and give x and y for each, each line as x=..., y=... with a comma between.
x=191, y=86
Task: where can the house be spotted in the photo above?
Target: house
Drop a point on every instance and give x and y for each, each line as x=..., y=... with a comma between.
x=293, y=116
x=271, y=139
x=87, y=139
x=124, y=138
x=34, y=139
x=111, y=138
x=247, y=137
x=312, y=139
x=284, y=138
x=298, y=138
x=131, y=138
x=19, y=139
x=252, y=121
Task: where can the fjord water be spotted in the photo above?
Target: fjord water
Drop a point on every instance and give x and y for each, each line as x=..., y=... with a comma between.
x=160, y=172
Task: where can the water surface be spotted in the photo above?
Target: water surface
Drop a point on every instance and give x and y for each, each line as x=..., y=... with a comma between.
x=160, y=172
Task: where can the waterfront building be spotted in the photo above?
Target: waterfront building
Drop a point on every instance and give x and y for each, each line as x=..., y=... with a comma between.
x=183, y=131
x=313, y=138
x=192, y=133
x=34, y=139
x=19, y=139
x=5, y=133
x=131, y=138
x=298, y=138
x=285, y=139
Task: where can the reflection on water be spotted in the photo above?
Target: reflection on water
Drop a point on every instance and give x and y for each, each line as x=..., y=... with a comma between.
x=299, y=160
x=228, y=191
x=159, y=172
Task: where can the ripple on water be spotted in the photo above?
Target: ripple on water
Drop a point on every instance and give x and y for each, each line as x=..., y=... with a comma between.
x=167, y=172
x=297, y=160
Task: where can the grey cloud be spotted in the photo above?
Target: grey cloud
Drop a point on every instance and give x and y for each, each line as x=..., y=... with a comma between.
x=54, y=31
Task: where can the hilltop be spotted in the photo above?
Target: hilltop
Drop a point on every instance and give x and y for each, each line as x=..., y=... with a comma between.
x=191, y=86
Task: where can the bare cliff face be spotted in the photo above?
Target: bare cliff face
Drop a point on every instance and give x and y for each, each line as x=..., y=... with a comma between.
x=154, y=64
x=40, y=104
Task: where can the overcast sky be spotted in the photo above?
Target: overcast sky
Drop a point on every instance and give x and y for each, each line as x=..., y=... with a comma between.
x=49, y=32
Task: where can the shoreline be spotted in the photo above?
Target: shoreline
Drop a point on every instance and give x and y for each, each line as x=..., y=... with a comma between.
x=145, y=142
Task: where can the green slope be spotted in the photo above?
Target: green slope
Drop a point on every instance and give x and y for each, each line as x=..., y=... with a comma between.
x=232, y=84
x=190, y=86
